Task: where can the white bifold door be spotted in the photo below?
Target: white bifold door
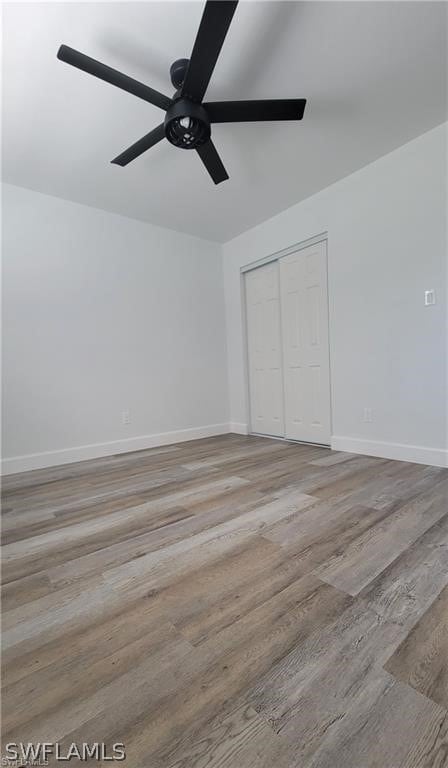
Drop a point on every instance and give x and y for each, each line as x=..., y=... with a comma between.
x=287, y=334
x=265, y=350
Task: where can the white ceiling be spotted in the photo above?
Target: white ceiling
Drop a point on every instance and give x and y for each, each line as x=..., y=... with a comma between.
x=374, y=74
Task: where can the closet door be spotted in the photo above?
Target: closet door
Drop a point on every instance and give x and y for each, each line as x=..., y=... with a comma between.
x=304, y=315
x=264, y=350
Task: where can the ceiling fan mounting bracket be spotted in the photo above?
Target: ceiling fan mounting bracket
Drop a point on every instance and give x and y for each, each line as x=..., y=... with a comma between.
x=178, y=70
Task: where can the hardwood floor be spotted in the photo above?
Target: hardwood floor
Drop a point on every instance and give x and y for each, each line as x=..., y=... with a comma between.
x=233, y=602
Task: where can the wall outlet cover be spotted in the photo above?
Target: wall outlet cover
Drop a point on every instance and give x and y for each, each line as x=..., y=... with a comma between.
x=367, y=416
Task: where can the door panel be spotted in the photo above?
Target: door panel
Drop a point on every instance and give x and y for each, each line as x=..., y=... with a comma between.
x=304, y=316
x=295, y=395
x=265, y=350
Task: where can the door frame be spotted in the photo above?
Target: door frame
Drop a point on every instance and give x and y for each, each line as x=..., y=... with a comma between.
x=276, y=256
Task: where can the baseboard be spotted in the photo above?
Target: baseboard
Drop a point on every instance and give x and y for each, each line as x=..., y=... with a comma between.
x=437, y=457
x=418, y=454
x=97, y=450
x=238, y=428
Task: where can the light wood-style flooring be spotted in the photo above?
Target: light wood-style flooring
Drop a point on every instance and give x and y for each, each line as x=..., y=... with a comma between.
x=234, y=602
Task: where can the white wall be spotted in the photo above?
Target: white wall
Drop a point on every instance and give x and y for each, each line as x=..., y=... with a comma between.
x=386, y=229
x=103, y=314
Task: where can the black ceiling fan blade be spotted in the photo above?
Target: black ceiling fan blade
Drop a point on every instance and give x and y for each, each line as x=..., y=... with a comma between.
x=247, y=111
x=140, y=146
x=212, y=161
x=112, y=76
x=212, y=31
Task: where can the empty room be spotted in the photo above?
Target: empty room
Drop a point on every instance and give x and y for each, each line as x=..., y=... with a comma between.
x=224, y=459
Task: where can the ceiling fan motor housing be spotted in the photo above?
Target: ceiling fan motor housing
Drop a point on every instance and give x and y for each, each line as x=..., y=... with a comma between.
x=187, y=124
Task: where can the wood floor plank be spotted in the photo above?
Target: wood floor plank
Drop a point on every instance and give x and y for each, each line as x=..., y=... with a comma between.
x=240, y=737
x=200, y=516
x=357, y=565
x=312, y=688
x=54, y=723
x=389, y=725
x=324, y=530
x=51, y=688
x=83, y=646
x=421, y=661
x=405, y=589
x=52, y=542
x=220, y=669
x=333, y=458
x=220, y=593
x=229, y=603
x=157, y=567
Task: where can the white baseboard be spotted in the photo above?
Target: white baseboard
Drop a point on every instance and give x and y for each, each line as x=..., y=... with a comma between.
x=96, y=450
x=238, y=428
x=418, y=454
x=437, y=457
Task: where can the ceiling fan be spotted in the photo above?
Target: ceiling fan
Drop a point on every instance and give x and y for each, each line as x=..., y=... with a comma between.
x=188, y=119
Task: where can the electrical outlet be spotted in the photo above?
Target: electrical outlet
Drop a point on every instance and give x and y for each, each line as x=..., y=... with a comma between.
x=367, y=417
x=125, y=417
x=430, y=297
